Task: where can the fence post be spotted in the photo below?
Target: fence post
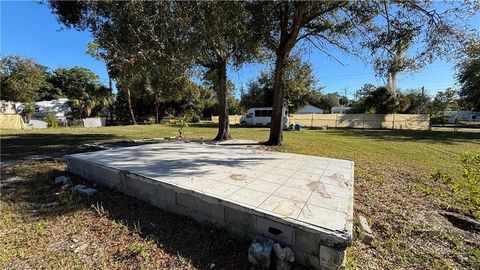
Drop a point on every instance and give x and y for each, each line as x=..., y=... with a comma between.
x=336, y=115
x=429, y=122
x=393, y=122
x=363, y=121
x=311, y=122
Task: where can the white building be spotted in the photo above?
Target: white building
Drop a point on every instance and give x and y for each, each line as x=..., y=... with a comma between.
x=461, y=115
x=58, y=107
x=309, y=109
x=340, y=109
x=8, y=107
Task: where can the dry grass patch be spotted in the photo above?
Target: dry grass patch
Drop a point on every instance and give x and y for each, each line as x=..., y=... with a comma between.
x=45, y=227
x=393, y=189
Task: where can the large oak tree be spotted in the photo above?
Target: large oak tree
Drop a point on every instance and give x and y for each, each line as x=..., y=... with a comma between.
x=222, y=38
x=283, y=25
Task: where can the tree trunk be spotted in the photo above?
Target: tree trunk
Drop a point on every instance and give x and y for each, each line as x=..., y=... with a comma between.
x=276, y=129
x=288, y=39
x=157, y=114
x=111, y=91
x=392, y=82
x=223, y=124
x=129, y=102
x=88, y=110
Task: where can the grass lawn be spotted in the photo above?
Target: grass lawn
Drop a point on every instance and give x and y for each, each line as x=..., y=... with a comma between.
x=42, y=226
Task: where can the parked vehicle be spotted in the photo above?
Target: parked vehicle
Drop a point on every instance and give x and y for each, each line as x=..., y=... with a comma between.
x=262, y=116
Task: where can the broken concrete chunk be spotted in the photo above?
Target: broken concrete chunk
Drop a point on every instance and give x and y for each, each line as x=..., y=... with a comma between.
x=62, y=180
x=83, y=190
x=66, y=186
x=80, y=248
x=260, y=252
x=283, y=265
x=283, y=254
x=88, y=191
x=367, y=234
x=79, y=187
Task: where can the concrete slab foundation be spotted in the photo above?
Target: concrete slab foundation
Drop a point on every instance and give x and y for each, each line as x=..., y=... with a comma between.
x=305, y=202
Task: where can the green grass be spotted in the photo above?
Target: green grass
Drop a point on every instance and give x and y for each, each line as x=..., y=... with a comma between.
x=393, y=189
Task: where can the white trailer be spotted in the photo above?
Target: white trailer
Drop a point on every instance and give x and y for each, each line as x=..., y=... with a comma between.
x=261, y=116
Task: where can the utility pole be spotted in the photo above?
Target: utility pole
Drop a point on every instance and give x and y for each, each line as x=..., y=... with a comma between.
x=422, y=97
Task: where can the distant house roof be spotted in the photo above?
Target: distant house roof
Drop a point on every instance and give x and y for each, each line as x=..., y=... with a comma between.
x=309, y=109
x=340, y=109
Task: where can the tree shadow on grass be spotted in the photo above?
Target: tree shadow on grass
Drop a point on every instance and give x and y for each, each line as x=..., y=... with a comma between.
x=201, y=244
x=179, y=236
x=443, y=137
x=21, y=145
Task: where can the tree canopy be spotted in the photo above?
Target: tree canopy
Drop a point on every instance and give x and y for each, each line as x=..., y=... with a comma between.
x=300, y=82
x=408, y=35
x=469, y=77
x=21, y=78
x=152, y=49
x=25, y=80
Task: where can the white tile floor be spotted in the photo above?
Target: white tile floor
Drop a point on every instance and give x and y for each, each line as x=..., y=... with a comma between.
x=300, y=188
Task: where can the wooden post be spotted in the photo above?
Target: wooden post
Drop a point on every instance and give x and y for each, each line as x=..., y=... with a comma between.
x=429, y=122
x=311, y=122
x=336, y=116
x=393, y=122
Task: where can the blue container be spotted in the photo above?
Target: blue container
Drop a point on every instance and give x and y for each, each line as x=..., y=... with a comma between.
x=298, y=127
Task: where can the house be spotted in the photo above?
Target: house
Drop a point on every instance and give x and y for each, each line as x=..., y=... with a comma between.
x=9, y=107
x=309, y=109
x=340, y=109
x=58, y=107
x=462, y=116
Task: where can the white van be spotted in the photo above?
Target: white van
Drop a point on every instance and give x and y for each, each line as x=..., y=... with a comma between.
x=262, y=116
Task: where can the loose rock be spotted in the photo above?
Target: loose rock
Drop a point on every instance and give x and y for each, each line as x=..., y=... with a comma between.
x=367, y=234
x=61, y=180
x=66, y=186
x=283, y=254
x=260, y=252
x=283, y=265
x=79, y=187
x=83, y=190
x=80, y=248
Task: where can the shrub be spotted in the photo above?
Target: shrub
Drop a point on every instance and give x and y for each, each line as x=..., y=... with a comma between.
x=183, y=124
x=194, y=118
x=51, y=119
x=470, y=186
x=465, y=190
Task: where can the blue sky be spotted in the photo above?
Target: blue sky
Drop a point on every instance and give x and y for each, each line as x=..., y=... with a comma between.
x=29, y=29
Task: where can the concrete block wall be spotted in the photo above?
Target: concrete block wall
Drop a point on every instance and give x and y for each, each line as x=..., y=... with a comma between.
x=317, y=248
